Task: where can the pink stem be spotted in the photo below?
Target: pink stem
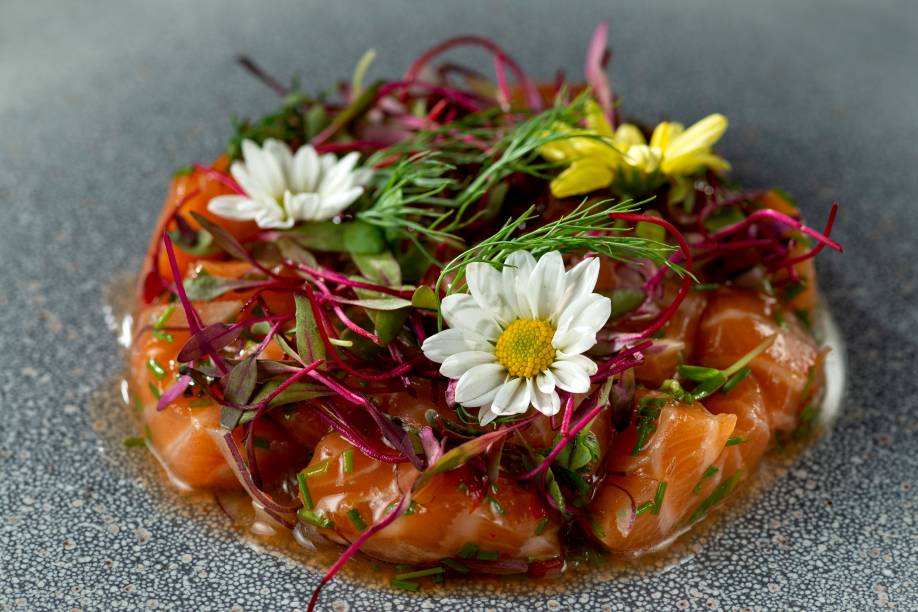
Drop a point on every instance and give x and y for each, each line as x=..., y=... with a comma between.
x=774, y=215
x=220, y=177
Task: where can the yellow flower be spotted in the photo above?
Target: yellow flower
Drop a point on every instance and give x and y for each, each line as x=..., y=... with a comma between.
x=624, y=161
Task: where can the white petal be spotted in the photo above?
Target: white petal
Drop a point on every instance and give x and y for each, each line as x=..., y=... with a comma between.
x=458, y=364
x=236, y=207
x=479, y=382
x=581, y=361
x=486, y=415
x=579, y=281
x=513, y=397
x=546, y=285
x=547, y=403
x=574, y=341
x=451, y=341
x=263, y=169
x=516, y=272
x=545, y=381
x=591, y=311
x=302, y=206
x=334, y=203
x=281, y=153
x=570, y=376
x=304, y=171
x=339, y=176
x=249, y=184
x=460, y=311
x=485, y=286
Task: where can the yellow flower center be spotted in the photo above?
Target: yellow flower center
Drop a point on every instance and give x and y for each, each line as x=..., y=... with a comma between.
x=525, y=347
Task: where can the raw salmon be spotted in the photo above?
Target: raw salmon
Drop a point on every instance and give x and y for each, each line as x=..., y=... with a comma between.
x=735, y=322
x=687, y=440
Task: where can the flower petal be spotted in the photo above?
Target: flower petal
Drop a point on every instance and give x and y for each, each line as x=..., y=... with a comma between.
x=486, y=287
x=517, y=269
x=440, y=346
x=281, y=153
x=302, y=206
x=591, y=311
x=579, y=281
x=241, y=208
x=546, y=285
x=581, y=361
x=547, y=403
x=460, y=310
x=570, y=376
x=545, y=381
x=304, y=171
x=513, y=397
x=698, y=137
x=458, y=364
x=574, y=340
x=340, y=176
x=479, y=382
x=581, y=177
x=334, y=203
x=264, y=170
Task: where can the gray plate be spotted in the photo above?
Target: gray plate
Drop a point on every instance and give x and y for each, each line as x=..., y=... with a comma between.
x=97, y=107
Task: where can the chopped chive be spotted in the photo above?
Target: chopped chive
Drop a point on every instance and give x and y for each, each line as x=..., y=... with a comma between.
x=495, y=505
x=697, y=373
x=304, y=491
x=412, y=508
x=437, y=578
x=314, y=518
x=487, y=555
x=375, y=566
x=262, y=443
x=804, y=317
x=464, y=488
x=319, y=468
x=810, y=374
x=347, y=461
x=164, y=318
x=658, y=498
x=156, y=369
x=809, y=413
x=706, y=286
x=716, y=495
x=468, y=549
x=183, y=171
x=598, y=531
x=430, y=571
x=456, y=566
x=162, y=335
x=201, y=402
x=414, y=587
x=645, y=507
x=541, y=526
x=153, y=390
x=735, y=380
x=133, y=442
x=779, y=317
x=355, y=517
x=735, y=441
x=793, y=290
x=710, y=471
x=648, y=411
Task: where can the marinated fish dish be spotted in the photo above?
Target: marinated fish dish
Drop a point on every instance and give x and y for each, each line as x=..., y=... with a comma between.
x=461, y=323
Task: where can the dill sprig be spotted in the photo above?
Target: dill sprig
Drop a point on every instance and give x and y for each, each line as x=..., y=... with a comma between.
x=587, y=229
x=444, y=171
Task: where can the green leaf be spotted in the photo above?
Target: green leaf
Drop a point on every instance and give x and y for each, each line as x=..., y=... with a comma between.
x=229, y=417
x=363, y=239
x=324, y=236
x=240, y=382
x=309, y=344
x=380, y=303
x=697, y=373
x=624, y=301
x=387, y=323
x=380, y=268
x=291, y=249
x=424, y=297
x=203, y=288
x=223, y=238
x=460, y=455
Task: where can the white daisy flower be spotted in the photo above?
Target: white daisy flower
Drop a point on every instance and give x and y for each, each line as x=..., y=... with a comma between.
x=282, y=188
x=520, y=334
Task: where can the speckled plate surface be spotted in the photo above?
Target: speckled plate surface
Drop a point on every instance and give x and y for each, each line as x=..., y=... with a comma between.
x=98, y=104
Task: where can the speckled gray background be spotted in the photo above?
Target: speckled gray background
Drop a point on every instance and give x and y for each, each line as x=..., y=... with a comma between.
x=100, y=101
